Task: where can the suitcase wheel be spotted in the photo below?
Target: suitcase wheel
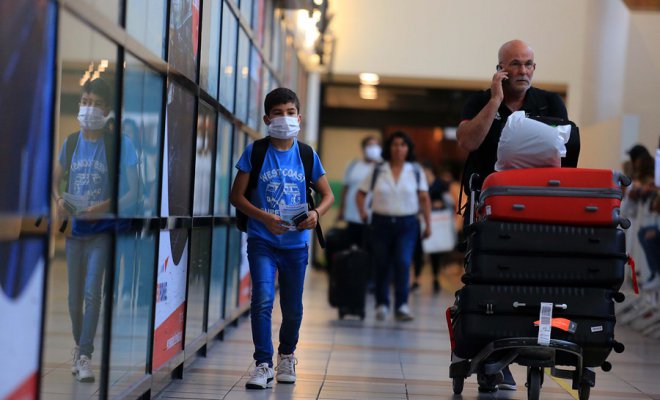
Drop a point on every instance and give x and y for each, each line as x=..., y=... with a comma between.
x=583, y=391
x=534, y=376
x=341, y=313
x=457, y=385
x=362, y=316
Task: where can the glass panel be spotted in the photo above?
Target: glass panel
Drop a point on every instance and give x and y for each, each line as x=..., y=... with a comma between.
x=246, y=10
x=255, y=101
x=184, y=38
x=109, y=8
x=223, y=166
x=177, y=158
x=238, y=146
x=278, y=39
x=206, y=120
x=218, y=269
x=131, y=312
x=266, y=40
x=145, y=21
x=27, y=55
x=170, y=295
x=84, y=175
x=258, y=21
x=233, y=268
x=208, y=74
x=198, y=279
x=141, y=131
x=266, y=87
x=243, y=65
x=228, y=58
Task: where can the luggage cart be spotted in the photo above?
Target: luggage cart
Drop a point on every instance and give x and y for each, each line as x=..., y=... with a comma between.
x=490, y=361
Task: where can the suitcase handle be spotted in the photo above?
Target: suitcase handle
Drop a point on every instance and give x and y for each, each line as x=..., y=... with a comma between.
x=554, y=182
x=517, y=305
x=518, y=207
x=591, y=209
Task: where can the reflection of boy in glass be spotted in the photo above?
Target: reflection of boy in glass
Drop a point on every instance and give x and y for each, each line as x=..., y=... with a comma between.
x=86, y=171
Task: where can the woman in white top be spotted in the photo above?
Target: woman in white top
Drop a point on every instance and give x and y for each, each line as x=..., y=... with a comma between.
x=399, y=191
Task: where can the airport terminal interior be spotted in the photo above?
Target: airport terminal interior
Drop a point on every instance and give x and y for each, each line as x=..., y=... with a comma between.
x=177, y=88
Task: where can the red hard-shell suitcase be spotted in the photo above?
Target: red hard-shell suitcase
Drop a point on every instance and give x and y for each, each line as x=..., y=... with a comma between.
x=572, y=196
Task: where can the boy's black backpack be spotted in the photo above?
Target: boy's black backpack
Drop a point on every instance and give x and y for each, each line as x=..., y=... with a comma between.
x=257, y=157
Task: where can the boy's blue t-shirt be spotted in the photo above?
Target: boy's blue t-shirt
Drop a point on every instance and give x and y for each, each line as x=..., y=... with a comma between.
x=281, y=182
x=89, y=177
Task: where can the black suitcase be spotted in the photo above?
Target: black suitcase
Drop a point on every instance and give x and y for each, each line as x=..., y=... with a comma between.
x=336, y=240
x=348, y=282
x=485, y=313
x=482, y=267
x=543, y=239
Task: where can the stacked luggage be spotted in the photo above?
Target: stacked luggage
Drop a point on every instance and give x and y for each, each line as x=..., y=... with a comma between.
x=544, y=263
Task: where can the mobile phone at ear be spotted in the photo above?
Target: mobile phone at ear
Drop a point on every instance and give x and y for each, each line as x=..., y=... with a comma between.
x=498, y=67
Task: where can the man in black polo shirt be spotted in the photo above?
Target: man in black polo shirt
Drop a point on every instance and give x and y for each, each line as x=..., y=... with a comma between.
x=511, y=90
x=485, y=114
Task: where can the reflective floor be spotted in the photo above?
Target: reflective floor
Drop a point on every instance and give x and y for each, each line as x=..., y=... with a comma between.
x=371, y=359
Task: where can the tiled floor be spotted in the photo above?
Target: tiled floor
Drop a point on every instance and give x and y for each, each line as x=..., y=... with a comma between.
x=369, y=359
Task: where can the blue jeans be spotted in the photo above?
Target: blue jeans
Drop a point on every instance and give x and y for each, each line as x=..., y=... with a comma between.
x=87, y=258
x=651, y=247
x=290, y=264
x=393, y=242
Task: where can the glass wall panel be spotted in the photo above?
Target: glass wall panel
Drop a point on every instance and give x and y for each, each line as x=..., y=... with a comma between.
x=228, y=57
x=109, y=8
x=209, y=66
x=198, y=280
x=170, y=295
x=145, y=21
x=177, y=158
x=142, y=119
x=84, y=177
x=131, y=312
x=206, y=120
x=218, y=270
x=223, y=166
x=258, y=19
x=27, y=34
x=255, y=102
x=184, y=38
x=243, y=66
x=238, y=147
x=246, y=10
x=233, y=269
x=278, y=42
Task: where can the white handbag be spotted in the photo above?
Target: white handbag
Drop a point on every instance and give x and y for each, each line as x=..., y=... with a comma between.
x=443, y=233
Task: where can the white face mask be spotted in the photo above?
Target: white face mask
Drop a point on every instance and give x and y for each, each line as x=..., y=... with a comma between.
x=284, y=127
x=373, y=152
x=91, y=118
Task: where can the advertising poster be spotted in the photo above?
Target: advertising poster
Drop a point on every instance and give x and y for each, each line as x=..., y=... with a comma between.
x=245, y=284
x=21, y=295
x=170, y=298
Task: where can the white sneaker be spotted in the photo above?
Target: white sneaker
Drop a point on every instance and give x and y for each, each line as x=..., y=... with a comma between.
x=75, y=353
x=381, y=312
x=652, y=284
x=403, y=313
x=85, y=373
x=286, y=368
x=261, y=377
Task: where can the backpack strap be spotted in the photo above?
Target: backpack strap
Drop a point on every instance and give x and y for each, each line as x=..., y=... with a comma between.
x=257, y=157
x=307, y=157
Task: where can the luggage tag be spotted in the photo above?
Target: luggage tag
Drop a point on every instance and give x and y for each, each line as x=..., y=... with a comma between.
x=631, y=262
x=545, y=327
x=564, y=324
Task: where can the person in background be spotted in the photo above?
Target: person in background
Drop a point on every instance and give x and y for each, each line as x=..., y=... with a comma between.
x=440, y=200
x=355, y=173
x=399, y=192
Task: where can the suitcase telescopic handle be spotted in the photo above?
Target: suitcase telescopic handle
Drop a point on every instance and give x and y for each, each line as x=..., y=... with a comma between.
x=519, y=305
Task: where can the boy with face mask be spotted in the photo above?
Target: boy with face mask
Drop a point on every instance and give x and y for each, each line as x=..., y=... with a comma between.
x=86, y=172
x=276, y=244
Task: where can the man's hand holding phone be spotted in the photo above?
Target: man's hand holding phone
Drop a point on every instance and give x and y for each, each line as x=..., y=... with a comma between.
x=499, y=79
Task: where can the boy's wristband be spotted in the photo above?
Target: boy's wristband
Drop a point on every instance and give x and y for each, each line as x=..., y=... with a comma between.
x=318, y=216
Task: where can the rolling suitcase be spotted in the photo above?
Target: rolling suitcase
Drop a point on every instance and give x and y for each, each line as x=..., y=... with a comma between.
x=488, y=312
x=541, y=269
x=560, y=240
x=573, y=196
x=348, y=282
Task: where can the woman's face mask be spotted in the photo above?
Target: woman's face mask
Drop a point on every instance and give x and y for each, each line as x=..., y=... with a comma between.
x=373, y=152
x=284, y=127
x=91, y=118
